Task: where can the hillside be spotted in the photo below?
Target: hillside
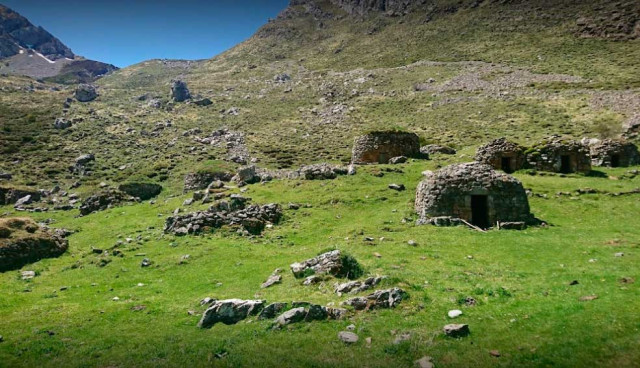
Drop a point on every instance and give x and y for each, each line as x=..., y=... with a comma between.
x=31, y=51
x=456, y=73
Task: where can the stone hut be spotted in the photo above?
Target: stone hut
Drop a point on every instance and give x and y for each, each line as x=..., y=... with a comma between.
x=612, y=153
x=502, y=155
x=473, y=192
x=380, y=147
x=559, y=155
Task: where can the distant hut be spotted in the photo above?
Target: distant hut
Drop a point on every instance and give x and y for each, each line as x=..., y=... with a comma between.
x=473, y=192
x=555, y=154
x=380, y=147
x=502, y=155
x=612, y=153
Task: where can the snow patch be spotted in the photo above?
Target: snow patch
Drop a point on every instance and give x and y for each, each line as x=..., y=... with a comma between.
x=21, y=51
x=44, y=57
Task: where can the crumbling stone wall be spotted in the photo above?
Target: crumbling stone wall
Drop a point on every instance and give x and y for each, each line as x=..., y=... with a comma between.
x=502, y=155
x=613, y=153
x=555, y=154
x=380, y=147
x=448, y=192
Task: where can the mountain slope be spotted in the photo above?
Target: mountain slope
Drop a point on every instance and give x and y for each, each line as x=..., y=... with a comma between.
x=32, y=51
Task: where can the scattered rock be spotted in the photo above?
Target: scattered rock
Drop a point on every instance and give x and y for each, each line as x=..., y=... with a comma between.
x=588, y=298
x=454, y=313
x=348, y=337
x=61, y=124
x=146, y=263
x=358, y=286
x=494, y=353
x=230, y=311
x=456, y=330
x=334, y=263
x=27, y=275
x=397, y=187
x=398, y=160
x=424, y=362
x=380, y=299
x=275, y=278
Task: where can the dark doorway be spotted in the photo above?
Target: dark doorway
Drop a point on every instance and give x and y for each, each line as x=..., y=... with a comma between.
x=506, y=165
x=615, y=161
x=565, y=167
x=480, y=211
x=383, y=158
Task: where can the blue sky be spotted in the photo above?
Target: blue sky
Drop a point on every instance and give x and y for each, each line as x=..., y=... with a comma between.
x=125, y=32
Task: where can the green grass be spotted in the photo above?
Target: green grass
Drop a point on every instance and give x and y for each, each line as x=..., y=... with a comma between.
x=526, y=308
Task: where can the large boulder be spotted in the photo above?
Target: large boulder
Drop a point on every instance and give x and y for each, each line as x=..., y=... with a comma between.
x=86, y=93
x=144, y=191
x=22, y=241
x=230, y=311
x=334, y=263
x=179, y=91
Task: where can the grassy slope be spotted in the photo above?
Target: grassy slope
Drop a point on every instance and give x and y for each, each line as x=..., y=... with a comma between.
x=526, y=308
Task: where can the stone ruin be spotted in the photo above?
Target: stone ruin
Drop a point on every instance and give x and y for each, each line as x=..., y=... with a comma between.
x=381, y=147
x=612, y=153
x=474, y=193
x=559, y=155
x=251, y=218
x=502, y=155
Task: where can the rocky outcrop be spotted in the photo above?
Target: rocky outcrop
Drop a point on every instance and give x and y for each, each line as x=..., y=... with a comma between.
x=364, y=7
x=334, y=263
x=86, y=93
x=22, y=241
x=179, y=91
x=11, y=195
x=354, y=287
x=104, y=200
x=230, y=311
x=472, y=192
x=143, y=191
x=381, y=299
x=380, y=147
x=253, y=219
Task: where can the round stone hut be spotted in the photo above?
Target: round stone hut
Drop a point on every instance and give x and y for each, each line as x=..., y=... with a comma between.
x=502, y=155
x=380, y=147
x=612, y=153
x=556, y=154
x=473, y=192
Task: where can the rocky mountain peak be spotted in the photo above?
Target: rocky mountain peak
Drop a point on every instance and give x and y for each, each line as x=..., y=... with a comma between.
x=17, y=34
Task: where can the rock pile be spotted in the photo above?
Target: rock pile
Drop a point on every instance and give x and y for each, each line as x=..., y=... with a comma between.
x=11, y=195
x=104, y=200
x=22, y=241
x=202, y=179
x=82, y=164
x=334, y=263
x=253, y=219
x=378, y=300
x=230, y=311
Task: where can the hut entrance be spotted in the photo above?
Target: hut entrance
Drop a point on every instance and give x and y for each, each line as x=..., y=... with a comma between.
x=383, y=158
x=480, y=211
x=615, y=161
x=506, y=165
x=565, y=167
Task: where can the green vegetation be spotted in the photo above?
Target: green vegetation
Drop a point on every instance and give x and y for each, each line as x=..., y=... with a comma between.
x=520, y=280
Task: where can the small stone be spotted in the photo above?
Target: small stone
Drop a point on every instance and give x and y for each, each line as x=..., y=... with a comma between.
x=574, y=282
x=412, y=243
x=456, y=330
x=454, y=313
x=397, y=187
x=351, y=328
x=26, y=275
x=377, y=255
x=115, y=299
x=619, y=254
x=348, y=337
x=145, y=262
x=405, y=336
x=368, y=340
x=424, y=362
x=495, y=353
x=64, y=288
x=588, y=298
x=1, y=338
